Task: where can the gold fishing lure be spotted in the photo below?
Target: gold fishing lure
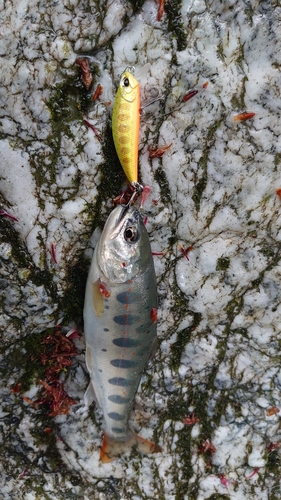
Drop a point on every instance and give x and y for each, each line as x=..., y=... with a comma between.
x=126, y=125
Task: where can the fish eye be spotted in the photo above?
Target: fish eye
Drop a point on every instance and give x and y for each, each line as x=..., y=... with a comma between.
x=131, y=234
x=126, y=82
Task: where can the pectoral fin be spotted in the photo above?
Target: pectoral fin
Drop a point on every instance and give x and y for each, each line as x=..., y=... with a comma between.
x=97, y=299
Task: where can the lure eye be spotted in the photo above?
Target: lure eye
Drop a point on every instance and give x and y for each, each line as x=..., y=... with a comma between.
x=131, y=234
x=126, y=82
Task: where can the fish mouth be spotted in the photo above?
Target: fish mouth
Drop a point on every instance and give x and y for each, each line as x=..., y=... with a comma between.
x=127, y=210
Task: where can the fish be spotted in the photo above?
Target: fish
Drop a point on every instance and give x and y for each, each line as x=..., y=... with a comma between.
x=120, y=316
x=126, y=125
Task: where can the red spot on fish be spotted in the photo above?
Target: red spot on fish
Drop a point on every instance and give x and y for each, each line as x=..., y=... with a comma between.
x=3, y=213
x=242, y=117
x=145, y=220
x=160, y=254
x=205, y=85
x=98, y=92
x=153, y=315
x=103, y=290
x=123, y=264
x=96, y=132
x=48, y=430
x=189, y=95
x=53, y=253
x=278, y=192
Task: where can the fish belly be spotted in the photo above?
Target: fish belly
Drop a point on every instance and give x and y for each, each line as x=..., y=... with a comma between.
x=119, y=343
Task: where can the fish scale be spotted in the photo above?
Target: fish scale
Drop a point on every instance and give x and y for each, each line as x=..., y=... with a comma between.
x=113, y=360
x=119, y=327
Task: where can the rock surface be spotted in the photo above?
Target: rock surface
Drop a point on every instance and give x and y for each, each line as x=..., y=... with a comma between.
x=213, y=391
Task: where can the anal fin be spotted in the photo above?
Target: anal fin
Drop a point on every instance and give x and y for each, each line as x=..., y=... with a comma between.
x=90, y=394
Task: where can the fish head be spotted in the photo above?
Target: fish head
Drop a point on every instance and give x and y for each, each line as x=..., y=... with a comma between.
x=123, y=250
x=129, y=87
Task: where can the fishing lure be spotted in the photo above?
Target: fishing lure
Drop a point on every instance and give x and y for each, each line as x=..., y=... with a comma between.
x=126, y=125
x=120, y=315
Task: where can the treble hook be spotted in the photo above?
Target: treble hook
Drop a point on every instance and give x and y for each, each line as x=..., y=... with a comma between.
x=138, y=188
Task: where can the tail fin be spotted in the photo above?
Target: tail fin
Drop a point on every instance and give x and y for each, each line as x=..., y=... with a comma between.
x=112, y=449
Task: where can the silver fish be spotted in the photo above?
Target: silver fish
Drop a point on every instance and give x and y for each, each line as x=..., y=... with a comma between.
x=120, y=314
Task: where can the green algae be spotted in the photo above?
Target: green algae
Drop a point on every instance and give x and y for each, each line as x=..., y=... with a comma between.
x=220, y=51
x=238, y=100
x=175, y=24
x=136, y=5
x=23, y=358
x=65, y=104
x=183, y=337
x=22, y=260
x=223, y=264
x=201, y=183
x=218, y=496
x=111, y=181
x=162, y=180
x=72, y=302
x=277, y=160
